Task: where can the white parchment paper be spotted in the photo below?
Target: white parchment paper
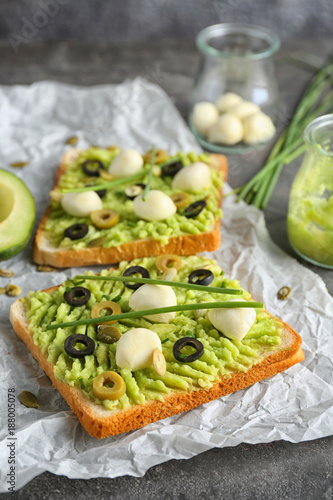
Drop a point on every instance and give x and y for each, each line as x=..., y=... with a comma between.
x=296, y=405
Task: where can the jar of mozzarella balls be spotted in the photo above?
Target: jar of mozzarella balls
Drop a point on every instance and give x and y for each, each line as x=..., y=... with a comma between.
x=234, y=104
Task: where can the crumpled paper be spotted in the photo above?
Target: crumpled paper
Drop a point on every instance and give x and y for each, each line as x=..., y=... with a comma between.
x=296, y=405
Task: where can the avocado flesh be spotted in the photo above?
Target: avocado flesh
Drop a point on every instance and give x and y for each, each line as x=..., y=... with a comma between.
x=17, y=215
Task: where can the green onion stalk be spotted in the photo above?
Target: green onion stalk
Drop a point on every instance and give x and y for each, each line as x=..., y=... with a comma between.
x=316, y=100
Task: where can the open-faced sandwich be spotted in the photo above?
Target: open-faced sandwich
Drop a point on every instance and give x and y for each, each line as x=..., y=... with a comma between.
x=150, y=339
x=110, y=205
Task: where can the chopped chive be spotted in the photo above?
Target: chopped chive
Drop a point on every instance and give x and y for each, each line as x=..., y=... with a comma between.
x=108, y=185
x=68, y=289
x=177, y=284
x=158, y=310
x=116, y=298
x=82, y=384
x=131, y=223
x=165, y=340
x=150, y=175
x=107, y=297
x=42, y=320
x=190, y=334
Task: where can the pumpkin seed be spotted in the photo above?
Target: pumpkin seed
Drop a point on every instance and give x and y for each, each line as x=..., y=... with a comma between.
x=284, y=293
x=108, y=334
x=19, y=164
x=13, y=290
x=72, y=140
x=46, y=269
x=6, y=273
x=29, y=400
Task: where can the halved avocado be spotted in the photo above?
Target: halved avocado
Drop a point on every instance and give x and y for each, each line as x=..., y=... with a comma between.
x=17, y=215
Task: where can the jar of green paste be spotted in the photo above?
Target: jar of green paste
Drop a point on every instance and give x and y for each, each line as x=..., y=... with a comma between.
x=310, y=214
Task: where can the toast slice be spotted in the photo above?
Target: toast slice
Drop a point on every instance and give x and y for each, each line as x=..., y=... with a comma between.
x=227, y=365
x=131, y=238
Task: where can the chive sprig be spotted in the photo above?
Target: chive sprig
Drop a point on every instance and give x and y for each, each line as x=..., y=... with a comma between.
x=150, y=174
x=158, y=310
x=152, y=281
x=108, y=185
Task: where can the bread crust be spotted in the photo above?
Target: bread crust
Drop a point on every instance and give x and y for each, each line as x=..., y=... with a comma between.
x=44, y=253
x=100, y=422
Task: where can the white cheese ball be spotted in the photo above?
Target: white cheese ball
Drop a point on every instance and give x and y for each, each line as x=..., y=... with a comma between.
x=128, y=162
x=204, y=115
x=228, y=130
x=233, y=323
x=227, y=101
x=194, y=177
x=258, y=128
x=157, y=206
x=81, y=204
x=135, y=349
x=152, y=296
x=244, y=109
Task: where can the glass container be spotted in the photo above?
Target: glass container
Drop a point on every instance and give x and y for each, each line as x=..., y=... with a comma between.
x=236, y=58
x=310, y=213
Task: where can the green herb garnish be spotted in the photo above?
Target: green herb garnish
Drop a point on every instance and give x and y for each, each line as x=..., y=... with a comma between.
x=82, y=384
x=158, y=310
x=150, y=175
x=68, y=289
x=165, y=340
x=316, y=100
x=178, y=284
x=108, y=185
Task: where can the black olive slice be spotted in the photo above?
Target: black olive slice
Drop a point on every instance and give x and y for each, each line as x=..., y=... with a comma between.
x=191, y=341
x=134, y=270
x=78, y=296
x=100, y=192
x=76, y=231
x=91, y=167
x=133, y=191
x=76, y=338
x=194, y=209
x=172, y=169
x=201, y=277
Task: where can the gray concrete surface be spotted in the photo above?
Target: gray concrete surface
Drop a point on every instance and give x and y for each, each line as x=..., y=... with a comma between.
x=277, y=470
x=121, y=20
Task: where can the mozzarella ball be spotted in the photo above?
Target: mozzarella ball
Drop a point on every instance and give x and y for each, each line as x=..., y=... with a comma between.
x=244, y=109
x=128, y=162
x=152, y=296
x=194, y=177
x=258, y=128
x=135, y=349
x=227, y=101
x=204, y=115
x=228, y=130
x=233, y=323
x=157, y=206
x=81, y=204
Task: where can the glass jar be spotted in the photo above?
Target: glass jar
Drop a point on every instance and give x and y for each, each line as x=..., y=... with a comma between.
x=310, y=213
x=239, y=59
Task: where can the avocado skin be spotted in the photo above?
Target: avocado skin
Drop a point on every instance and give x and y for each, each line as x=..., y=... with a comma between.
x=7, y=252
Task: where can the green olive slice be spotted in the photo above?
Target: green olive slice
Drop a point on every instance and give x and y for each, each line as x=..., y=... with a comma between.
x=181, y=200
x=108, y=334
x=160, y=156
x=103, y=392
x=105, y=218
x=113, y=307
x=97, y=242
x=165, y=262
x=159, y=362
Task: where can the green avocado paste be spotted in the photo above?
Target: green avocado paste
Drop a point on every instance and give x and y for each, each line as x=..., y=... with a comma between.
x=130, y=227
x=310, y=216
x=221, y=356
